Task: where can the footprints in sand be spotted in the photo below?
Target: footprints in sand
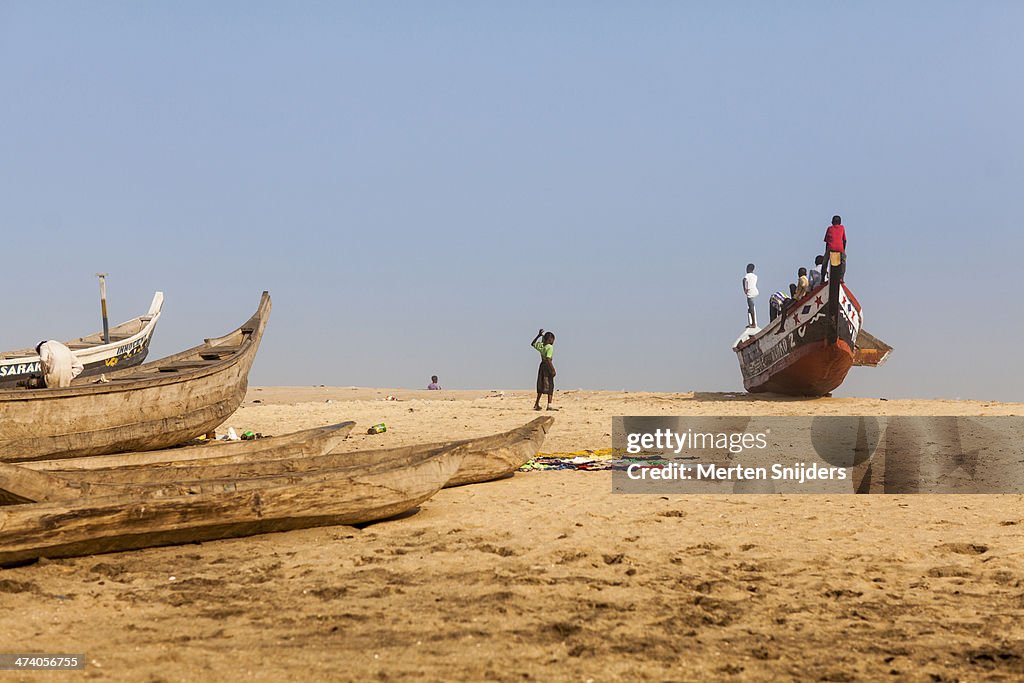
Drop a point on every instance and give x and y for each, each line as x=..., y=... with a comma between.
x=111, y=571
x=570, y=557
x=947, y=571
x=328, y=593
x=498, y=550
x=12, y=586
x=964, y=548
x=977, y=551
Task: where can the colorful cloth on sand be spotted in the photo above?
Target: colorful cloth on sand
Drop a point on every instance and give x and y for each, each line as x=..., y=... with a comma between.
x=589, y=461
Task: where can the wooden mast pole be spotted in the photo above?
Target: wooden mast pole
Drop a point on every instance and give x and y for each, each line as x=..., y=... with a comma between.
x=103, y=306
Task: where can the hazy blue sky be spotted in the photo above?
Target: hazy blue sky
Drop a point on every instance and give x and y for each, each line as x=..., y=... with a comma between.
x=422, y=185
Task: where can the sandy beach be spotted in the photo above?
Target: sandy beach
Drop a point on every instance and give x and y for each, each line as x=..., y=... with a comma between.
x=549, y=576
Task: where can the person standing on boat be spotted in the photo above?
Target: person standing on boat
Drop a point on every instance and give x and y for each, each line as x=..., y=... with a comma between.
x=58, y=365
x=546, y=371
x=835, y=243
x=750, y=290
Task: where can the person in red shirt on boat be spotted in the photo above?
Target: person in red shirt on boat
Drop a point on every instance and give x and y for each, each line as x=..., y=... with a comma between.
x=835, y=243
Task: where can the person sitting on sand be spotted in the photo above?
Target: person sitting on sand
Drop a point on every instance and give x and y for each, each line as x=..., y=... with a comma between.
x=434, y=386
x=546, y=371
x=58, y=365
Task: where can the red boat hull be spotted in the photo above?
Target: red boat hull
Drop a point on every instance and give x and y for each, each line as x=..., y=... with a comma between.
x=807, y=351
x=816, y=369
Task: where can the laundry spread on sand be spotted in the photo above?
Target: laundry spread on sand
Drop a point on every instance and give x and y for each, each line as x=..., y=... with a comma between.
x=604, y=459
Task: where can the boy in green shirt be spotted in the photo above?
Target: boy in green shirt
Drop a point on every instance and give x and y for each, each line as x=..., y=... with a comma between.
x=546, y=371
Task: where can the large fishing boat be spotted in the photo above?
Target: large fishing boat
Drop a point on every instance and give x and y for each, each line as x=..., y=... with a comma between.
x=809, y=348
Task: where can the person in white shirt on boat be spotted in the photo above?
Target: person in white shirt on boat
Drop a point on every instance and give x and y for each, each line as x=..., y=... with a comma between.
x=814, y=274
x=58, y=365
x=750, y=290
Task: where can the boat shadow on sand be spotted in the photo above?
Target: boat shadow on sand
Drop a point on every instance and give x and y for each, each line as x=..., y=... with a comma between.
x=744, y=397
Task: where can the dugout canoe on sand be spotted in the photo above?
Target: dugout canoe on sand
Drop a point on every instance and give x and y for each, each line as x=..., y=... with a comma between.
x=305, y=443
x=493, y=457
x=156, y=405
x=44, y=480
x=485, y=458
x=128, y=346
x=186, y=512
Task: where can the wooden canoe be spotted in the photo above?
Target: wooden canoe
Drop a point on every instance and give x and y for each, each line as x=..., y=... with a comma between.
x=486, y=458
x=493, y=457
x=219, y=509
x=305, y=443
x=156, y=405
x=128, y=346
x=19, y=484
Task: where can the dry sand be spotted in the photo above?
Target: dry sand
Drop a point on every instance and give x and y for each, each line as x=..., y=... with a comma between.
x=549, y=576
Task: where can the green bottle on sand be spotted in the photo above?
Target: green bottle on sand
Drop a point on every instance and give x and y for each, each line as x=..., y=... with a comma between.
x=377, y=429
